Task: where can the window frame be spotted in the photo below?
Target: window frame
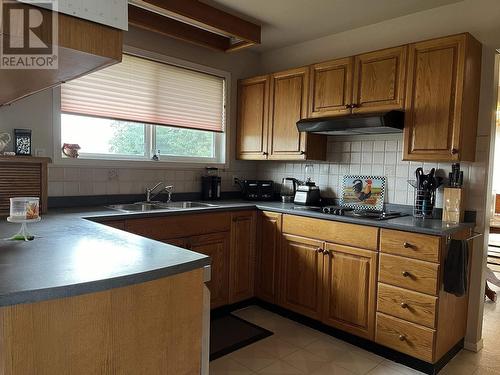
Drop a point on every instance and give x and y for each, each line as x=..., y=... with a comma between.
x=221, y=140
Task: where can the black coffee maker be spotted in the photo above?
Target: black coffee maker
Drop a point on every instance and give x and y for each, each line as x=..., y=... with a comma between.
x=210, y=185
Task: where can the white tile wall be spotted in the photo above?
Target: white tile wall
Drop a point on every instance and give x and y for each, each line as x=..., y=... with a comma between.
x=74, y=181
x=377, y=155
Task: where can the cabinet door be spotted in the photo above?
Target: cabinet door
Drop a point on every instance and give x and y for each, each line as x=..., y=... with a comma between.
x=349, y=289
x=242, y=257
x=379, y=80
x=302, y=264
x=330, y=93
x=267, y=271
x=253, y=105
x=288, y=104
x=216, y=246
x=435, y=89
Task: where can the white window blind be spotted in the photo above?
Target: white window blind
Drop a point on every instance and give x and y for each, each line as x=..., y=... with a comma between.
x=147, y=91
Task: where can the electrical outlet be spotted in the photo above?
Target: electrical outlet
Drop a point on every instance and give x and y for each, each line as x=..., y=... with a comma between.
x=235, y=180
x=112, y=174
x=40, y=152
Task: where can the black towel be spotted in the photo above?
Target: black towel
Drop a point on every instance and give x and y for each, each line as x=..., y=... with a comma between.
x=456, y=267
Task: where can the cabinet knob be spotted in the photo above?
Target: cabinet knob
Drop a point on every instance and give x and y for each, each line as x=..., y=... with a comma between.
x=319, y=250
x=265, y=153
x=326, y=252
x=354, y=105
x=407, y=245
x=405, y=274
x=348, y=106
x=402, y=337
x=404, y=305
x=302, y=152
x=454, y=151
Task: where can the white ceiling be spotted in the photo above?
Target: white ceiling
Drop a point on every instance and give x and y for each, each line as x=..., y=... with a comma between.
x=286, y=22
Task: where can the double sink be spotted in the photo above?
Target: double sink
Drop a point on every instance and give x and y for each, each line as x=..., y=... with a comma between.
x=155, y=206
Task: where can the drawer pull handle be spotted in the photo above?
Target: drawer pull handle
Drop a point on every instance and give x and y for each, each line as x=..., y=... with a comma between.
x=407, y=245
x=404, y=305
x=402, y=337
x=319, y=250
x=406, y=274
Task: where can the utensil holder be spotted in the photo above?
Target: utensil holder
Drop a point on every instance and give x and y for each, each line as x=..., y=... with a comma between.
x=424, y=203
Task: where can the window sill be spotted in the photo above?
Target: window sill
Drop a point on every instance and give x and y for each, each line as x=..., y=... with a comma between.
x=135, y=164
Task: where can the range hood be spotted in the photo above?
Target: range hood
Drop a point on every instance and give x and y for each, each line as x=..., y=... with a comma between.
x=355, y=124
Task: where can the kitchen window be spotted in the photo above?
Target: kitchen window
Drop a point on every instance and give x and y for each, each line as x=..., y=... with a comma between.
x=146, y=107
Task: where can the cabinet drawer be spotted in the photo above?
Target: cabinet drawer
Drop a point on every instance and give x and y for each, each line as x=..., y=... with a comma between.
x=405, y=337
x=409, y=273
x=332, y=231
x=412, y=306
x=182, y=225
x=411, y=245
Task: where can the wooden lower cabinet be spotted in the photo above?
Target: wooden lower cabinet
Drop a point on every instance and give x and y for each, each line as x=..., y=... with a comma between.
x=267, y=269
x=302, y=264
x=216, y=246
x=242, y=257
x=349, y=285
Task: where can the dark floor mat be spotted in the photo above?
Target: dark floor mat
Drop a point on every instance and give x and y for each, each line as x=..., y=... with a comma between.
x=229, y=333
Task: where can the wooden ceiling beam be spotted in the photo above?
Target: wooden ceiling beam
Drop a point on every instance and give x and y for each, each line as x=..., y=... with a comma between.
x=157, y=23
x=205, y=16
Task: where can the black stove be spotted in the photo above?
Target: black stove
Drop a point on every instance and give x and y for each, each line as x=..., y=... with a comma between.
x=365, y=214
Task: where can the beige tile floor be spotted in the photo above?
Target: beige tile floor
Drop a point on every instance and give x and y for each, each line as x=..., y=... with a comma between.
x=297, y=349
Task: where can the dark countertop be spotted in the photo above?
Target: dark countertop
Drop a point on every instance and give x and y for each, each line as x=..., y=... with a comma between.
x=74, y=255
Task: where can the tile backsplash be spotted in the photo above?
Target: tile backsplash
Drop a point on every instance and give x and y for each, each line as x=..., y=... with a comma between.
x=80, y=180
x=362, y=155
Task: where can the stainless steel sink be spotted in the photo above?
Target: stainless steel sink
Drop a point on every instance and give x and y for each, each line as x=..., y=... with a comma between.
x=182, y=205
x=156, y=206
x=136, y=207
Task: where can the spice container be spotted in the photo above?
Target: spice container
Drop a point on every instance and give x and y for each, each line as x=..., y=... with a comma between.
x=24, y=208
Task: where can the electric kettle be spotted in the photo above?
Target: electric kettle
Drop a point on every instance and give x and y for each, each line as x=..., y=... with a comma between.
x=288, y=189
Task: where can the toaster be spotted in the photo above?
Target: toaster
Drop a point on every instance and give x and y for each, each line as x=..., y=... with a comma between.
x=258, y=190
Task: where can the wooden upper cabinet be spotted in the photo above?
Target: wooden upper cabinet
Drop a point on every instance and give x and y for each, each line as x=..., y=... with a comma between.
x=442, y=99
x=253, y=106
x=350, y=277
x=301, y=269
x=379, y=80
x=288, y=104
x=330, y=91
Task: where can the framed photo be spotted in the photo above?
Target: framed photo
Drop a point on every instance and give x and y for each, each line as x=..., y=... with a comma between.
x=363, y=192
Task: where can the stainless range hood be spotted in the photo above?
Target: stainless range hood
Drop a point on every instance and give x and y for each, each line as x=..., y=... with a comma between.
x=356, y=124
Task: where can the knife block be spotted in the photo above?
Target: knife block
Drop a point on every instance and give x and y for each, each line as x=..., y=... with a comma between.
x=453, y=205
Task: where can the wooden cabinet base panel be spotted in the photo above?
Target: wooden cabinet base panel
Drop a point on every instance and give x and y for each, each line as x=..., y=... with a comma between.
x=149, y=328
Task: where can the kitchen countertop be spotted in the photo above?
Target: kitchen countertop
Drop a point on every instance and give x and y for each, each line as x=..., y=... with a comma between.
x=74, y=254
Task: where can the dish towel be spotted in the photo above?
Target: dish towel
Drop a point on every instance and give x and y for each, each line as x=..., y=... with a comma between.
x=456, y=267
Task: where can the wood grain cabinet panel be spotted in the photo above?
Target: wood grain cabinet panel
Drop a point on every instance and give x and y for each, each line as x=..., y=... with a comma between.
x=268, y=246
x=350, y=277
x=379, y=80
x=330, y=92
x=412, y=306
x=216, y=246
x=302, y=264
x=253, y=117
x=409, y=273
x=405, y=337
x=442, y=99
x=242, y=256
x=411, y=245
x=289, y=104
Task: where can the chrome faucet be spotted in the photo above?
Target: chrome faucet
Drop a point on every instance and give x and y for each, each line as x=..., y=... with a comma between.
x=149, y=192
